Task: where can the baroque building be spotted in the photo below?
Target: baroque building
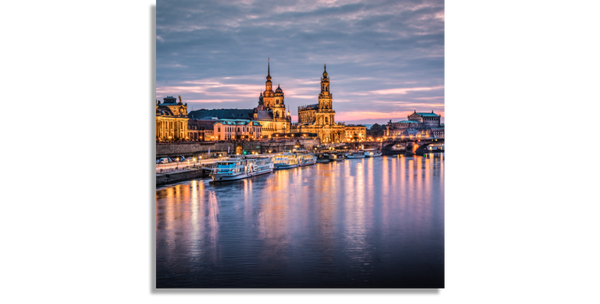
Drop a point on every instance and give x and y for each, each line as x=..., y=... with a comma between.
x=419, y=125
x=320, y=118
x=270, y=112
x=171, y=120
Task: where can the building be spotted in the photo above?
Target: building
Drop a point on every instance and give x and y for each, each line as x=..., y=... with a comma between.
x=228, y=129
x=320, y=118
x=270, y=112
x=418, y=125
x=201, y=129
x=171, y=120
x=355, y=133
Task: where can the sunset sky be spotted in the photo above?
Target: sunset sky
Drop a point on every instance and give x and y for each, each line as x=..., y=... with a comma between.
x=385, y=59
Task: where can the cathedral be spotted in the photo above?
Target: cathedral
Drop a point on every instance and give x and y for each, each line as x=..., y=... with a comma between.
x=320, y=118
x=270, y=112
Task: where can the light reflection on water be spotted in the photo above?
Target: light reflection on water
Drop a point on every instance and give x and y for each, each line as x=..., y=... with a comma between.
x=375, y=222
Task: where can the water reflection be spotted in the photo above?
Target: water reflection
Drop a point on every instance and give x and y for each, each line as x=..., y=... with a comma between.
x=375, y=222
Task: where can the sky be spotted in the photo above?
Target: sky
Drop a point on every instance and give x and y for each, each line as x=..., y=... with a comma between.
x=385, y=59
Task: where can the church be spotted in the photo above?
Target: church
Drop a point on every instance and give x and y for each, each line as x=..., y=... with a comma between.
x=270, y=113
x=315, y=119
x=319, y=118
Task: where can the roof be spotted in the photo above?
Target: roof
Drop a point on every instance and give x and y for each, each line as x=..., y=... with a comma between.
x=427, y=114
x=306, y=107
x=222, y=113
x=408, y=121
x=261, y=114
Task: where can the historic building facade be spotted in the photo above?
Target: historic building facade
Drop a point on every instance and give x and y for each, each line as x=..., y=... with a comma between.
x=320, y=118
x=227, y=129
x=419, y=125
x=270, y=112
x=355, y=133
x=171, y=120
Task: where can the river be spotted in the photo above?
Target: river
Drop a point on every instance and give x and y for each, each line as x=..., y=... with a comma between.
x=374, y=222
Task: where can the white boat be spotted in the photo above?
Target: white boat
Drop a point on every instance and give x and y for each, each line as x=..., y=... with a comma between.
x=285, y=161
x=306, y=159
x=353, y=155
x=238, y=168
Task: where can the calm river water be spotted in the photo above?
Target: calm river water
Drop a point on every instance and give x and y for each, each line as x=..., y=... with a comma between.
x=375, y=222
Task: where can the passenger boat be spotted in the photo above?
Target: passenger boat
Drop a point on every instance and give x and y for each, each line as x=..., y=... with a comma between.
x=358, y=154
x=285, y=161
x=239, y=168
x=437, y=148
x=323, y=158
x=306, y=159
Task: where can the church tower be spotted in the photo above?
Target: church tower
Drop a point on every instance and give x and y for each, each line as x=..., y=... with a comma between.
x=268, y=95
x=325, y=114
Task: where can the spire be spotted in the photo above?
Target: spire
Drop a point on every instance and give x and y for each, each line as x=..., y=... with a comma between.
x=325, y=66
x=269, y=70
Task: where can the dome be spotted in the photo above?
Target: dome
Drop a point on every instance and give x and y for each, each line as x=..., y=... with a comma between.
x=279, y=90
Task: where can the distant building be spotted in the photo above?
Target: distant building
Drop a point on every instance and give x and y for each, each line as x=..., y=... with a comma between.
x=418, y=125
x=171, y=120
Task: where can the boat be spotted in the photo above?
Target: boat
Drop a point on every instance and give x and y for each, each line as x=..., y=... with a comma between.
x=323, y=158
x=372, y=153
x=357, y=154
x=285, y=161
x=306, y=159
x=239, y=168
x=437, y=148
x=336, y=157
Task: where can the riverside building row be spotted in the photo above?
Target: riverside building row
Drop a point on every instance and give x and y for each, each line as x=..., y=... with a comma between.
x=270, y=119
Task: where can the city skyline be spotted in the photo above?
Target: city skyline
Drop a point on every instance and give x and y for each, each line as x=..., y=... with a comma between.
x=385, y=59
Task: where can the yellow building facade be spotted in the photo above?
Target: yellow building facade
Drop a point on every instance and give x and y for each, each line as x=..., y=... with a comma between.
x=320, y=118
x=271, y=113
x=171, y=120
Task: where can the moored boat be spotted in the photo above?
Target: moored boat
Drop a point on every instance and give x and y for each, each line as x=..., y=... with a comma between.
x=239, y=168
x=357, y=154
x=372, y=153
x=306, y=159
x=323, y=158
x=285, y=161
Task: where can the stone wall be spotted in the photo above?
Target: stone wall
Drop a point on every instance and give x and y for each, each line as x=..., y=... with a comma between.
x=188, y=149
x=168, y=178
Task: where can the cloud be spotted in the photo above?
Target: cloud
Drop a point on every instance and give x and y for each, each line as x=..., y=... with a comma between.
x=382, y=56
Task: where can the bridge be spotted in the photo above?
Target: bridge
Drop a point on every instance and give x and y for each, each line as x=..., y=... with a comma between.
x=407, y=146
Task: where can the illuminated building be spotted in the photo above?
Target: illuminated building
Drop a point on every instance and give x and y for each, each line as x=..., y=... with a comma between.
x=270, y=112
x=226, y=129
x=418, y=125
x=320, y=118
x=171, y=120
